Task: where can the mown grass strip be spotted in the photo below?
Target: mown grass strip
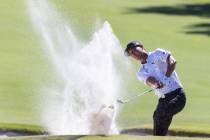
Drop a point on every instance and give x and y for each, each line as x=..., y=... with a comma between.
x=46, y=137
x=110, y=137
x=26, y=128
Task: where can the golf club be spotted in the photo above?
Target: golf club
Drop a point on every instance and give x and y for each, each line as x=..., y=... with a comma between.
x=134, y=97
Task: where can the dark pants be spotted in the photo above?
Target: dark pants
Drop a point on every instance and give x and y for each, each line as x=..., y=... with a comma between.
x=167, y=107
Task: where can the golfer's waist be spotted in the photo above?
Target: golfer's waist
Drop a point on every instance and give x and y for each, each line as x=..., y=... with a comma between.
x=173, y=93
x=168, y=88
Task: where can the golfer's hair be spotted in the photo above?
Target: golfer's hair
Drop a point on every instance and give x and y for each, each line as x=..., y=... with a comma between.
x=131, y=45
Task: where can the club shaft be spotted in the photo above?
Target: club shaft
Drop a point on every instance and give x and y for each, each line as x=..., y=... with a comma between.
x=138, y=95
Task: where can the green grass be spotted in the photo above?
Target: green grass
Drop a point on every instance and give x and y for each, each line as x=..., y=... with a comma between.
x=14, y=127
x=20, y=64
x=126, y=137
x=112, y=137
x=25, y=70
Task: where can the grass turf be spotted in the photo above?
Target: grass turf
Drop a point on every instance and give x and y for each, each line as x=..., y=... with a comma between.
x=23, y=64
x=22, y=128
x=112, y=137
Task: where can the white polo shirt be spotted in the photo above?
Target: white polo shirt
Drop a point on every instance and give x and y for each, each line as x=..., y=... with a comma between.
x=156, y=66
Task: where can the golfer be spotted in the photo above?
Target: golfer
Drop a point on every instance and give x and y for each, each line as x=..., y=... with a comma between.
x=158, y=71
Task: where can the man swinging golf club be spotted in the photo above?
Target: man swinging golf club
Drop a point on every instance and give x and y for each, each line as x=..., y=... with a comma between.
x=158, y=71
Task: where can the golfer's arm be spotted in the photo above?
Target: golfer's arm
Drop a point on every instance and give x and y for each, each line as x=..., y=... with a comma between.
x=171, y=65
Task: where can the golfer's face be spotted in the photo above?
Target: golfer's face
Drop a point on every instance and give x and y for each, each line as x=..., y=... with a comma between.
x=137, y=53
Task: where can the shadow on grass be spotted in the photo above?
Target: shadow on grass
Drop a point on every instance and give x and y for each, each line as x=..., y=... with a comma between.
x=202, y=29
x=202, y=10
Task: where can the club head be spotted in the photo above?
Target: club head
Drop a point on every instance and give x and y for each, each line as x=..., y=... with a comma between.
x=120, y=101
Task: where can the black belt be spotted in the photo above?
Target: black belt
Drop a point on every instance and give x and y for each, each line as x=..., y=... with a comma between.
x=173, y=93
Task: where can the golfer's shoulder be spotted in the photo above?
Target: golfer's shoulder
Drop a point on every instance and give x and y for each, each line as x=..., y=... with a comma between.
x=160, y=52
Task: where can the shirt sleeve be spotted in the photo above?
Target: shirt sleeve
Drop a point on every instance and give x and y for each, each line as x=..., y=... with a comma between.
x=142, y=75
x=162, y=54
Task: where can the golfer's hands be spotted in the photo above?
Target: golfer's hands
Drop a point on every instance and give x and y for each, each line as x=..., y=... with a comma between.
x=158, y=85
x=152, y=82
